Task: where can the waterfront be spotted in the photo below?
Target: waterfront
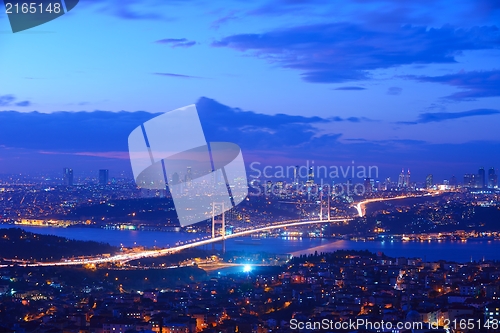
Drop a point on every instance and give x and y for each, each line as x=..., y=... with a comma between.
x=460, y=251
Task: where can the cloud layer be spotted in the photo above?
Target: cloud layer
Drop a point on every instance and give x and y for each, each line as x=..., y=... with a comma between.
x=341, y=52
x=177, y=42
x=179, y=76
x=350, y=88
x=430, y=117
x=36, y=141
x=10, y=100
x=475, y=84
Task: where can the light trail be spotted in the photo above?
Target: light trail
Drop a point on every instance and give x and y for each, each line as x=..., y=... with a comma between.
x=122, y=258
x=360, y=206
x=161, y=252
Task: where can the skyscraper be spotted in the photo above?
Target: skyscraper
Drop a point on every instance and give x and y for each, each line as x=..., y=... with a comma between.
x=469, y=180
x=429, y=181
x=368, y=185
x=407, y=179
x=310, y=178
x=176, y=179
x=481, y=178
x=492, y=178
x=279, y=186
x=296, y=175
x=453, y=181
x=269, y=187
x=68, y=177
x=401, y=179
x=103, y=176
x=388, y=183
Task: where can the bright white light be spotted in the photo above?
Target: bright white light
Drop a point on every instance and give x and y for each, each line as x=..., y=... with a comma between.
x=247, y=268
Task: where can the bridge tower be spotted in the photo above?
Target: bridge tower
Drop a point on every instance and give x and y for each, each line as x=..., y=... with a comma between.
x=321, y=205
x=222, y=222
x=329, y=218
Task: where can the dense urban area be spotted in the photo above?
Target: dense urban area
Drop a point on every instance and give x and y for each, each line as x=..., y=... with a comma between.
x=214, y=290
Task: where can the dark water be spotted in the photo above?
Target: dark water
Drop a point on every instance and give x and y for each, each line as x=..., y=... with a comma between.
x=448, y=250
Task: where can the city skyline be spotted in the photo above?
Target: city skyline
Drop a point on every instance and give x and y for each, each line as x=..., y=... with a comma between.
x=296, y=177
x=387, y=84
x=327, y=165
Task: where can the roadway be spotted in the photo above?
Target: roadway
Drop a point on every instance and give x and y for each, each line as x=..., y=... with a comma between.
x=361, y=206
x=125, y=257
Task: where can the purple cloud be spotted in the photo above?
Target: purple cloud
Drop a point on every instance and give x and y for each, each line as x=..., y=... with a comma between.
x=281, y=139
x=23, y=103
x=430, y=117
x=477, y=84
x=6, y=100
x=285, y=7
x=350, y=119
x=109, y=130
x=223, y=20
x=180, y=76
x=130, y=9
x=177, y=42
x=340, y=52
x=394, y=91
x=350, y=88
x=132, y=14
x=9, y=100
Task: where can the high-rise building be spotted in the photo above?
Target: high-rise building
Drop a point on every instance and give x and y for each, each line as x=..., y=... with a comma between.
x=68, y=177
x=407, y=179
x=189, y=174
x=269, y=187
x=368, y=185
x=481, y=178
x=469, y=180
x=453, y=181
x=103, y=176
x=296, y=175
x=429, y=181
x=176, y=179
x=388, y=184
x=279, y=185
x=401, y=179
x=492, y=178
x=310, y=177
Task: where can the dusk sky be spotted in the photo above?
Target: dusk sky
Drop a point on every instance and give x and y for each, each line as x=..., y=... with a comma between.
x=387, y=83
